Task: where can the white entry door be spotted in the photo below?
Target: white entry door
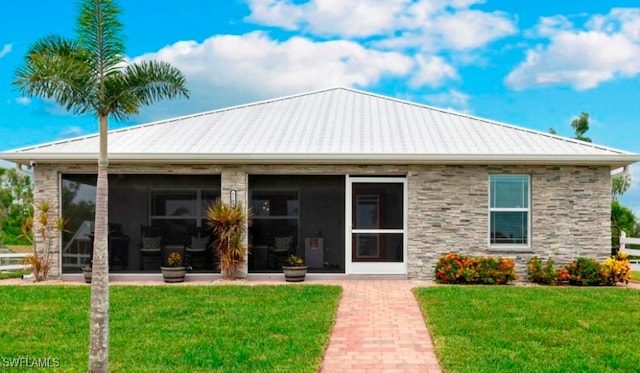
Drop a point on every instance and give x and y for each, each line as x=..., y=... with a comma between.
x=376, y=217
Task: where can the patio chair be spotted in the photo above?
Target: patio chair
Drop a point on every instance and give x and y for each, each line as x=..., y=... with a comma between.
x=280, y=251
x=150, y=244
x=198, y=248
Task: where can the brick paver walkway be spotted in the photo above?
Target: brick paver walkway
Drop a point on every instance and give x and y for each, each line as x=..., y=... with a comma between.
x=379, y=328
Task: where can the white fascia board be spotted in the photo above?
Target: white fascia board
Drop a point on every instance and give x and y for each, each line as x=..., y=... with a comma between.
x=613, y=160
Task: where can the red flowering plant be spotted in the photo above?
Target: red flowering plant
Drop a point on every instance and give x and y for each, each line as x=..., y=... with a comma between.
x=581, y=272
x=459, y=269
x=563, y=276
x=453, y=269
x=586, y=272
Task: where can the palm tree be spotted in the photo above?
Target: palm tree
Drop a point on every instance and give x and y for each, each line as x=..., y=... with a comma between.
x=91, y=75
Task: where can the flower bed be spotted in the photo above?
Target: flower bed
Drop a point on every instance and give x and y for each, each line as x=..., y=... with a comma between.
x=460, y=269
x=581, y=272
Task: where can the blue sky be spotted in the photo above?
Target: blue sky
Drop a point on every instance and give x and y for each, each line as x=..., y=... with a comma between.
x=536, y=64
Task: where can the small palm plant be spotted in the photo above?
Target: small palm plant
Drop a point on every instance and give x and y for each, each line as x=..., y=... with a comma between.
x=41, y=259
x=228, y=224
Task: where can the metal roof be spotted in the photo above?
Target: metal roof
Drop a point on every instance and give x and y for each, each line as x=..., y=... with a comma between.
x=337, y=125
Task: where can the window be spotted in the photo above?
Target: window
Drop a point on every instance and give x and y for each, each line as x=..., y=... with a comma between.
x=509, y=210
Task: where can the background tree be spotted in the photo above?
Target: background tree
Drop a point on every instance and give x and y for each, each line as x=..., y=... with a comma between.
x=622, y=218
x=581, y=126
x=16, y=205
x=91, y=75
x=620, y=184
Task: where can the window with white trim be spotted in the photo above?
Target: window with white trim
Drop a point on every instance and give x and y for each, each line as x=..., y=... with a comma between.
x=509, y=210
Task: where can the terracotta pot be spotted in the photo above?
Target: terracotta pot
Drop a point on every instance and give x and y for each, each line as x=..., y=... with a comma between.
x=294, y=274
x=173, y=274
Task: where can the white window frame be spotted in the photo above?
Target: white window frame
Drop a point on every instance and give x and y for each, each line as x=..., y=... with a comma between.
x=509, y=246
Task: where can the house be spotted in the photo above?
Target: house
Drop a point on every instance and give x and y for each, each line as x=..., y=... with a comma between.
x=355, y=182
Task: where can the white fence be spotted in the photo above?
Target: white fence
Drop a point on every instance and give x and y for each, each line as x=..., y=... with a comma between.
x=624, y=241
x=12, y=262
x=77, y=253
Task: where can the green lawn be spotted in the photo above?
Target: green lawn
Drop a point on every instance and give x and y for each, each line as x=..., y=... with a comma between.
x=174, y=328
x=533, y=329
x=635, y=276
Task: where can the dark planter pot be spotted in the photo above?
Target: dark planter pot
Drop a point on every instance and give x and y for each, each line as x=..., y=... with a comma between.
x=173, y=274
x=294, y=274
x=86, y=272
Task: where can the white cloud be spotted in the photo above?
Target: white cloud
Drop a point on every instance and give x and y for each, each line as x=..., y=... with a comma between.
x=428, y=25
x=354, y=18
x=468, y=29
x=23, y=100
x=549, y=26
x=607, y=48
x=5, y=50
x=432, y=71
x=451, y=100
x=358, y=18
x=231, y=69
x=71, y=131
x=624, y=21
x=275, y=13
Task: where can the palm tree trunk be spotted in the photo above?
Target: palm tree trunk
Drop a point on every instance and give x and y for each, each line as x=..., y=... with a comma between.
x=99, y=319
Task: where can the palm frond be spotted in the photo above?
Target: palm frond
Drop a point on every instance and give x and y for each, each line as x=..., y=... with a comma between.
x=56, y=68
x=152, y=81
x=141, y=84
x=100, y=33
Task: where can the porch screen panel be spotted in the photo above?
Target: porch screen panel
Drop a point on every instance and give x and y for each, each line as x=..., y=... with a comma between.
x=377, y=247
x=377, y=218
x=78, y=199
x=180, y=214
x=296, y=214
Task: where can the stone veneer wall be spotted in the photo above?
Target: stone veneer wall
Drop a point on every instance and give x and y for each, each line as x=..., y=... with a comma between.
x=448, y=205
x=448, y=212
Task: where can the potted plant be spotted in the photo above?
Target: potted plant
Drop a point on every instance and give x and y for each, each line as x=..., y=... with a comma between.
x=87, y=272
x=295, y=270
x=175, y=269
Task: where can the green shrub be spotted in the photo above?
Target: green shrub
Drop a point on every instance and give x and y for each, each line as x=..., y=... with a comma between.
x=541, y=274
x=585, y=272
x=582, y=271
x=459, y=269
